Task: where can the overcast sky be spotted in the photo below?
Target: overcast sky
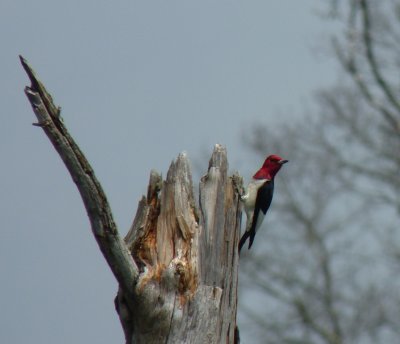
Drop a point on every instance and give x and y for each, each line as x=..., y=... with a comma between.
x=138, y=82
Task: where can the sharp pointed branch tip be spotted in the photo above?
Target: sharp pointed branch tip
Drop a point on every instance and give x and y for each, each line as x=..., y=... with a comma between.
x=30, y=72
x=24, y=63
x=22, y=59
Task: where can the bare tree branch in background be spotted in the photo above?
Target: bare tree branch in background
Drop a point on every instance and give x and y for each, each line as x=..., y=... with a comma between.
x=327, y=270
x=369, y=109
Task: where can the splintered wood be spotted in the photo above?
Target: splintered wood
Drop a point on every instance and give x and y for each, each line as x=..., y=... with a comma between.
x=187, y=253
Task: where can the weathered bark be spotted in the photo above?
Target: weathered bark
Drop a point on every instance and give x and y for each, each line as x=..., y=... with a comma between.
x=177, y=267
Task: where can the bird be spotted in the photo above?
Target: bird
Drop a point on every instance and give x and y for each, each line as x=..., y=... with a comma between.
x=258, y=196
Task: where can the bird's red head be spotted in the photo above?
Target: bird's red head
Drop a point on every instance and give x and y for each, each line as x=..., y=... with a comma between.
x=270, y=168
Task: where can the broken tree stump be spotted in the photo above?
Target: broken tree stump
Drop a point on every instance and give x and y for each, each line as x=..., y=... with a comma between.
x=187, y=258
x=177, y=268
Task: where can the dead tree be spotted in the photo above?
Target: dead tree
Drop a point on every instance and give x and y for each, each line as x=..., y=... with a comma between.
x=177, y=267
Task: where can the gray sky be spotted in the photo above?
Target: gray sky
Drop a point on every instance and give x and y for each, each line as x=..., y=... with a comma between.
x=138, y=82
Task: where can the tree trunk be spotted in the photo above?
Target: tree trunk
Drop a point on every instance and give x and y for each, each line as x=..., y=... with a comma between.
x=177, y=268
x=187, y=257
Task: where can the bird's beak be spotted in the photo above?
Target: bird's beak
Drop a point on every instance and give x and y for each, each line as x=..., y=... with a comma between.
x=281, y=162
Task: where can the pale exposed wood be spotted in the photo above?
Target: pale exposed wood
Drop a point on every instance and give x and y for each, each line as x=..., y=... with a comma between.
x=177, y=268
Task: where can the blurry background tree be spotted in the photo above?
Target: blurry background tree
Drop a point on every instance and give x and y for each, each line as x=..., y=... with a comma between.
x=326, y=266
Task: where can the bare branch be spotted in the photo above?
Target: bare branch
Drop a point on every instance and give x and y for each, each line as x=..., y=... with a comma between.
x=103, y=226
x=371, y=56
x=351, y=66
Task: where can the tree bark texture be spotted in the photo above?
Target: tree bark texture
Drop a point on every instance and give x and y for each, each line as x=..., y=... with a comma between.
x=177, y=268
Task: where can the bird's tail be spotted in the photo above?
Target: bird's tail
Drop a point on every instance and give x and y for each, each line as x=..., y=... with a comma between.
x=252, y=235
x=243, y=239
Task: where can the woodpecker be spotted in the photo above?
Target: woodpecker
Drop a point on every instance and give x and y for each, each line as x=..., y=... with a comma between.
x=258, y=196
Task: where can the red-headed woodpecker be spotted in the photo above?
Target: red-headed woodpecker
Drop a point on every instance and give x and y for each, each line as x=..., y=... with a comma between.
x=258, y=196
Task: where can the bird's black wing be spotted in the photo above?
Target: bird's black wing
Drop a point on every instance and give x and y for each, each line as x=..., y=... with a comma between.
x=263, y=202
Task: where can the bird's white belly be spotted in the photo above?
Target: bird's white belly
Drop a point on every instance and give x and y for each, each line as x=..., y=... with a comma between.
x=249, y=201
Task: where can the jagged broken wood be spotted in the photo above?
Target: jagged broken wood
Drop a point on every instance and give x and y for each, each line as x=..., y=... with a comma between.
x=177, y=267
